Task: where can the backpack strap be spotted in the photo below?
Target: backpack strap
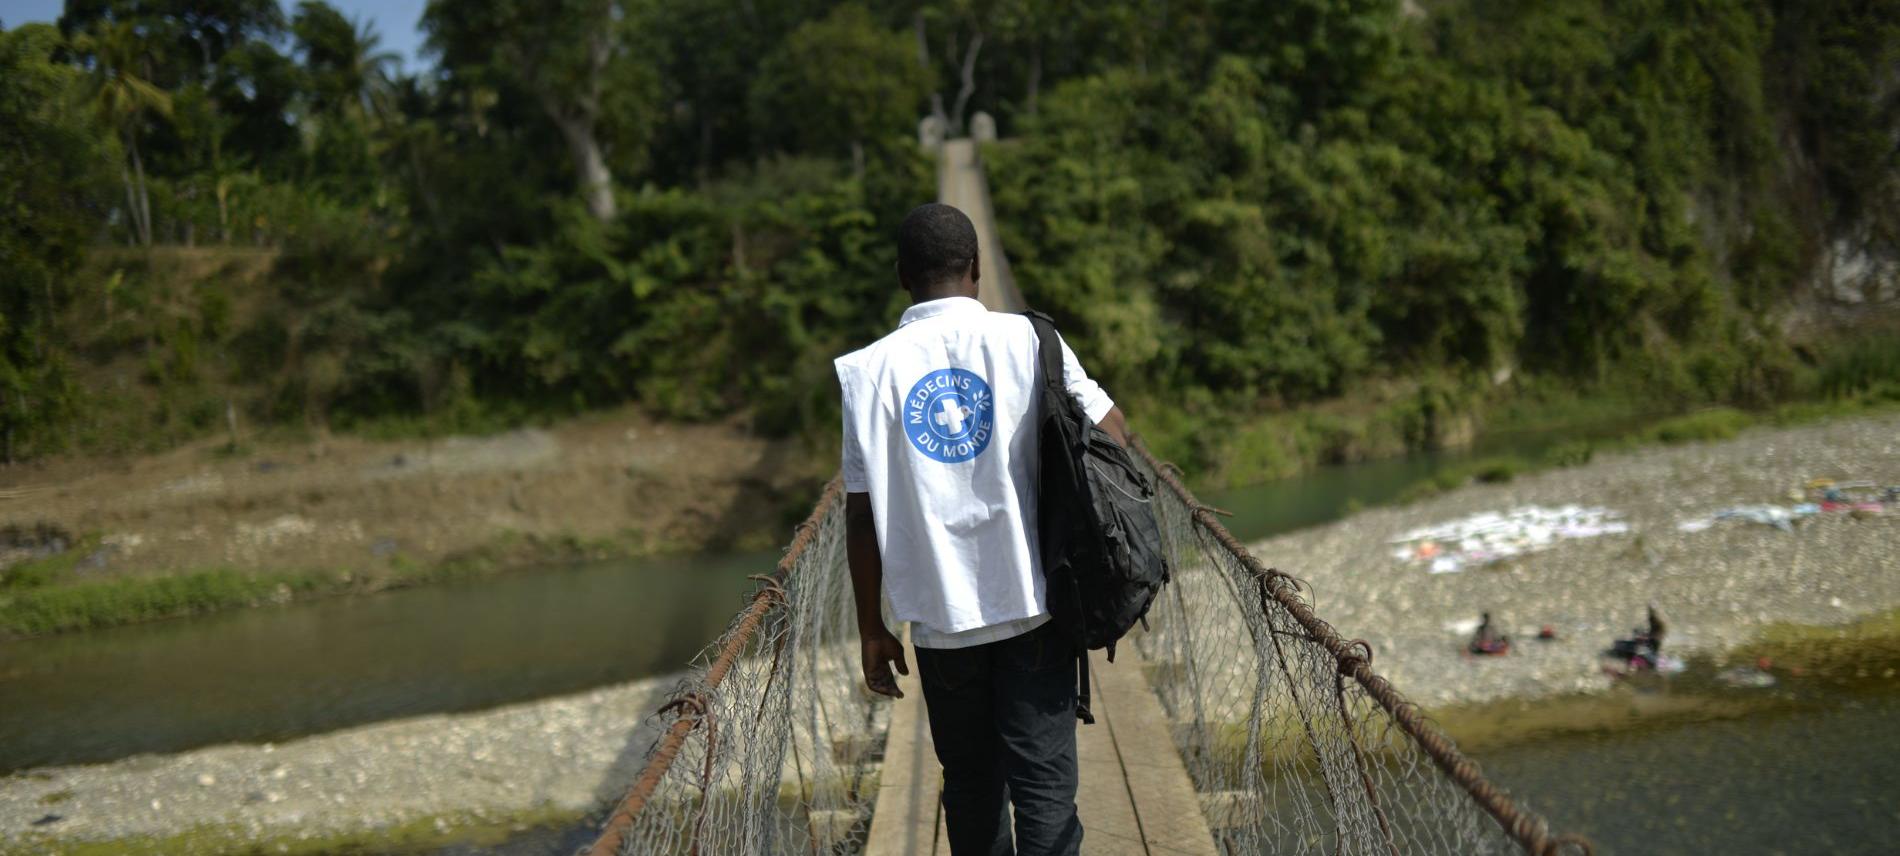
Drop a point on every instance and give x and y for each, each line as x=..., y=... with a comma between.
x=1082, y=711
x=1049, y=351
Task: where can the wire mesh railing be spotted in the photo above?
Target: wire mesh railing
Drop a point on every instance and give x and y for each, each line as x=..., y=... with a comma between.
x=1295, y=744
x=767, y=746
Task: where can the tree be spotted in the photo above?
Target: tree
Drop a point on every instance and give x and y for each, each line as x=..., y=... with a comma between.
x=189, y=38
x=123, y=97
x=953, y=19
x=559, y=53
x=1326, y=52
x=350, y=76
x=836, y=82
x=47, y=163
x=1033, y=27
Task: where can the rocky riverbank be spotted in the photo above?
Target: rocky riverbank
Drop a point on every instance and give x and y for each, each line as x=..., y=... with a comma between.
x=555, y=757
x=1717, y=587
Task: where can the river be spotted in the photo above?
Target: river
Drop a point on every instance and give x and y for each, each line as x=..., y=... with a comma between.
x=278, y=672
x=1819, y=773
x=1810, y=766
x=274, y=673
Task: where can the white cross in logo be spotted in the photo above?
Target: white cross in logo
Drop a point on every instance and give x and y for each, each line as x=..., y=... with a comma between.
x=952, y=416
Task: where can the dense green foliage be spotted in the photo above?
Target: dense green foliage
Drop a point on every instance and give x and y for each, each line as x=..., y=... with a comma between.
x=1234, y=208
x=1556, y=186
x=47, y=161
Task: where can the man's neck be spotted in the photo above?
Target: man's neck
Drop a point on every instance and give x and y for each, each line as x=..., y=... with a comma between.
x=929, y=294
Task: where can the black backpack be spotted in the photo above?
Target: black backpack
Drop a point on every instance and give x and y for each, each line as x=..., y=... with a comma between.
x=1102, y=556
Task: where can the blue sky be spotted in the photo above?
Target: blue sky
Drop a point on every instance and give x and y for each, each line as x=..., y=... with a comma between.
x=395, y=20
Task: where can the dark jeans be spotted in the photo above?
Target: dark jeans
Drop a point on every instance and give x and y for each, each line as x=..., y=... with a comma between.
x=1003, y=718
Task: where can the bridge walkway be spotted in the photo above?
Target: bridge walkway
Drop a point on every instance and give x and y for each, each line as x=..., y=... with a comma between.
x=961, y=182
x=1135, y=800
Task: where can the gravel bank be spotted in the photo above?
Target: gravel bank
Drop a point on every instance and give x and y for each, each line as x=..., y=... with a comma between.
x=1716, y=588
x=568, y=754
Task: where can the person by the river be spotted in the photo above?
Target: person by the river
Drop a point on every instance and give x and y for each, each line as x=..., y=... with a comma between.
x=1642, y=651
x=939, y=468
x=1645, y=643
x=1655, y=631
x=1487, y=641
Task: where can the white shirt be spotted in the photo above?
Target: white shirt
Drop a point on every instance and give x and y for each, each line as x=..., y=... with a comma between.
x=940, y=422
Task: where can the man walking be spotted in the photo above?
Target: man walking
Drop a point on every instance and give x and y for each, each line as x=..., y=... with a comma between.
x=939, y=468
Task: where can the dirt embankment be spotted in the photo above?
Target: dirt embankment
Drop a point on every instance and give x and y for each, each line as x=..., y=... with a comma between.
x=613, y=483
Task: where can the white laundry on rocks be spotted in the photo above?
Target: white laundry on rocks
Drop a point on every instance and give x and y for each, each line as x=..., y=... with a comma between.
x=1491, y=536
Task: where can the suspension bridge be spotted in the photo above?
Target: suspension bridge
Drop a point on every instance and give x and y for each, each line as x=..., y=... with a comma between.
x=1239, y=722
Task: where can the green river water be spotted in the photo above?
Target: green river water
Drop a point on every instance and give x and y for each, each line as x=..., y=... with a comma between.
x=1815, y=770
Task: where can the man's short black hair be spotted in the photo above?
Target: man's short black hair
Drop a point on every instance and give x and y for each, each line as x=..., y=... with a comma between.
x=935, y=244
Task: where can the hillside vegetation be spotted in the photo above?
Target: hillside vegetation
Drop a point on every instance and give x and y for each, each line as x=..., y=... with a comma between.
x=1282, y=233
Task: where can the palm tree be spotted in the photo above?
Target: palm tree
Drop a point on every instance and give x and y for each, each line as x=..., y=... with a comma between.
x=372, y=72
x=353, y=77
x=122, y=97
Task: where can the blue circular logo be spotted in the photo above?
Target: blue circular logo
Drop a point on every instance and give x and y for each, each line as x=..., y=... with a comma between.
x=950, y=415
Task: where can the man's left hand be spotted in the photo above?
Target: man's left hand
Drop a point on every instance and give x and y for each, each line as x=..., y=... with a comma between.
x=881, y=649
